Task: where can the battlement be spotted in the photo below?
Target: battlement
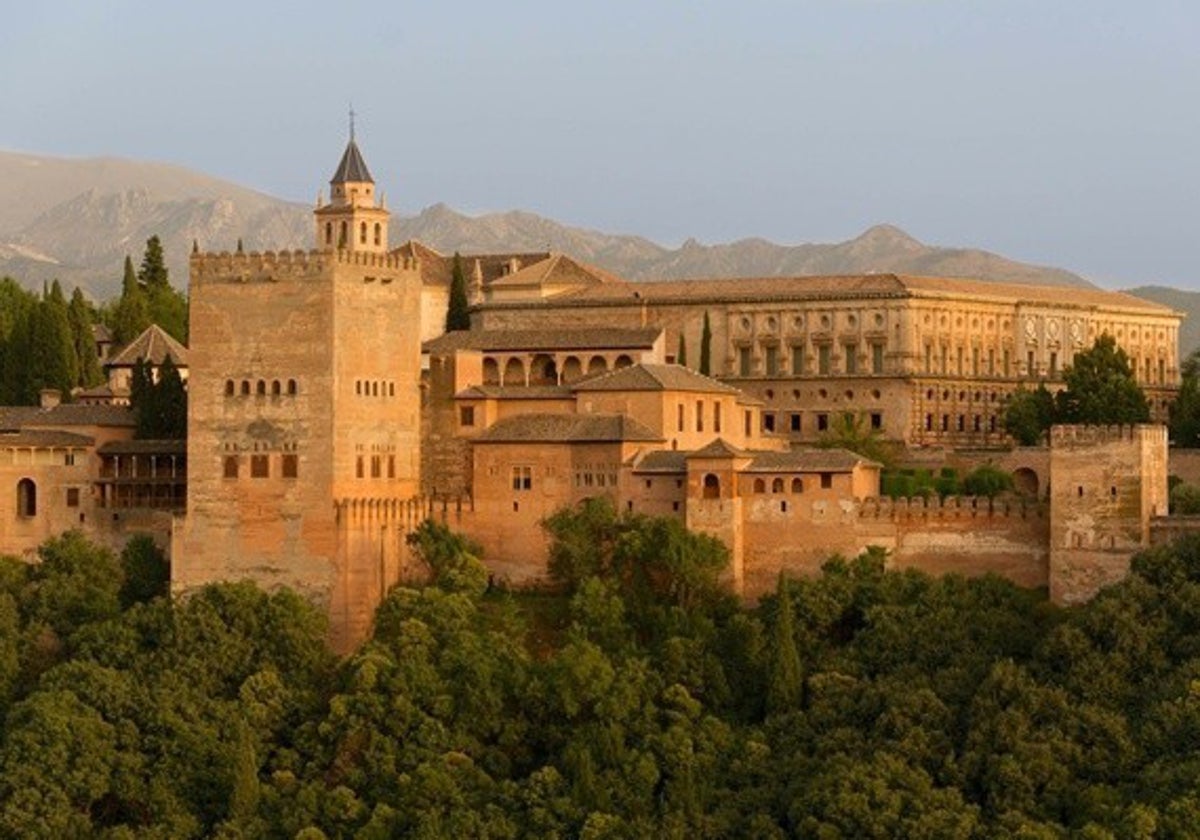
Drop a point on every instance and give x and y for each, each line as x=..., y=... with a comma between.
x=1072, y=435
x=951, y=508
x=272, y=266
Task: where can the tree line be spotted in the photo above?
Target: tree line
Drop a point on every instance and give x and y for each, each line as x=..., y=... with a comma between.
x=637, y=700
x=47, y=341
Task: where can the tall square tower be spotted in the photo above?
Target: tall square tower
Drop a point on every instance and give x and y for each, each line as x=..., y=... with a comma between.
x=304, y=413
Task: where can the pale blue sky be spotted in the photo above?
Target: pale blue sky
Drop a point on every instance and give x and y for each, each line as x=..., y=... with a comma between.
x=1057, y=132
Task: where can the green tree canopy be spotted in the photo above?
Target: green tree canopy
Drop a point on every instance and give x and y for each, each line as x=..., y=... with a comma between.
x=458, y=312
x=1101, y=388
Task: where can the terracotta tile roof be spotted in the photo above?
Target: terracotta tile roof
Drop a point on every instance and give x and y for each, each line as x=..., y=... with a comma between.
x=568, y=428
x=43, y=438
x=352, y=167
x=808, y=460
x=652, y=377
x=522, y=392
x=436, y=268
x=662, y=461
x=580, y=338
x=73, y=414
x=144, y=447
x=154, y=345
x=835, y=287
x=558, y=270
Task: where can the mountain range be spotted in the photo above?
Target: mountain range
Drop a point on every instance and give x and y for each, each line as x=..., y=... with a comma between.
x=75, y=219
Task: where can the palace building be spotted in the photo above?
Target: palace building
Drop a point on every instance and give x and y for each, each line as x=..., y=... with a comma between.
x=328, y=416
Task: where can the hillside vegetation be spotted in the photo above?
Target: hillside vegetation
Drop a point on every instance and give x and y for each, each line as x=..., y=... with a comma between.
x=642, y=702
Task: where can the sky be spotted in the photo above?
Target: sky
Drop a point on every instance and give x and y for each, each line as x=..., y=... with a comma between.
x=1063, y=132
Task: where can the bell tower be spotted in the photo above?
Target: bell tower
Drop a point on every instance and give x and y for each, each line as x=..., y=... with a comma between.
x=352, y=220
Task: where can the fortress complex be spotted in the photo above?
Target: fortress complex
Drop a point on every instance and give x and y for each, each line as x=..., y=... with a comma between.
x=328, y=416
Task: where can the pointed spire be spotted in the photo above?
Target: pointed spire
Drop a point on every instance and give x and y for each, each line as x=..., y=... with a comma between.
x=352, y=169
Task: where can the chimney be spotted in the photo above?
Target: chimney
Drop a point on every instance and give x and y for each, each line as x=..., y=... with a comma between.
x=50, y=397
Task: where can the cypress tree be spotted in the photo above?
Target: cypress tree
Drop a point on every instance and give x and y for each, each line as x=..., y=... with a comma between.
x=86, y=360
x=785, y=685
x=706, y=348
x=681, y=355
x=51, y=352
x=132, y=313
x=143, y=399
x=458, y=315
x=171, y=400
x=153, y=273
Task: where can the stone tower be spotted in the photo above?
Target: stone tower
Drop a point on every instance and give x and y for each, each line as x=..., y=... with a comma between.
x=303, y=416
x=1106, y=482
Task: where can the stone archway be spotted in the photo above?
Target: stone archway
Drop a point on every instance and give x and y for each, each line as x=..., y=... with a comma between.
x=572, y=369
x=712, y=486
x=514, y=372
x=491, y=372
x=1025, y=481
x=543, y=370
x=597, y=364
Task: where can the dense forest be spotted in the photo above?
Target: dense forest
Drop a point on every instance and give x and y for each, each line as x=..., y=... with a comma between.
x=637, y=701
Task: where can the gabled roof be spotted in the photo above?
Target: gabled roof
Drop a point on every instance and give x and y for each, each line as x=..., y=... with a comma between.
x=719, y=448
x=568, y=428
x=557, y=270
x=653, y=377
x=352, y=168
x=809, y=460
x=154, y=345
x=69, y=414
x=436, y=268
x=579, y=338
x=43, y=438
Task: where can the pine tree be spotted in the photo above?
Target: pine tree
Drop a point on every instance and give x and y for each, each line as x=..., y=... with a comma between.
x=681, y=355
x=458, y=315
x=153, y=273
x=786, y=684
x=706, y=347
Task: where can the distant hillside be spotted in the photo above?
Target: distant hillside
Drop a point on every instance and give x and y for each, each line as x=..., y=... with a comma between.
x=76, y=219
x=1187, y=302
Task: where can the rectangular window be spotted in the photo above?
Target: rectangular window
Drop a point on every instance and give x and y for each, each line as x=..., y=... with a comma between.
x=522, y=478
x=772, y=358
x=358, y=467
x=72, y=497
x=851, y=352
x=743, y=361
x=826, y=481
x=69, y=459
x=1053, y=363
x=822, y=422
x=823, y=359
x=699, y=415
x=679, y=412
x=797, y=359
x=876, y=420
x=991, y=362
x=945, y=422
x=376, y=466
x=717, y=417
x=795, y=422
x=391, y=466
x=466, y=415
x=945, y=368
x=876, y=358
x=959, y=354
x=929, y=358
x=974, y=361
x=1030, y=367
x=1007, y=363
x=769, y=421
x=231, y=466
x=260, y=466
x=291, y=466
x=749, y=423
x=929, y=422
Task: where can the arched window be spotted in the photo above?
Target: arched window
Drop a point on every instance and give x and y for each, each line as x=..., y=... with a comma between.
x=276, y=388
x=491, y=372
x=329, y=233
x=623, y=361
x=362, y=233
x=261, y=388
x=760, y=486
x=391, y=389
x=797, y=485
x=571, y=370
x=514, y=372
x=245, y=387
x=712, y=487
x=597, y=364
x=291, y=387
x=26, y=497
x=229, y=387
x=342, y=239
x=777, y=485
x=378, y=234
x=374, y=389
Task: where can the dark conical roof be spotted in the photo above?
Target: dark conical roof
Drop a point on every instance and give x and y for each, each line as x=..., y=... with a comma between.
x=352, y=168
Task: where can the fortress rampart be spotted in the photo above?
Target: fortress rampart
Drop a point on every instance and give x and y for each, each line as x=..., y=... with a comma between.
x=274, y=266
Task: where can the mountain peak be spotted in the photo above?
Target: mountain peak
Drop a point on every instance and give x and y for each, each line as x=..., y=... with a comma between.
x=885, y=234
